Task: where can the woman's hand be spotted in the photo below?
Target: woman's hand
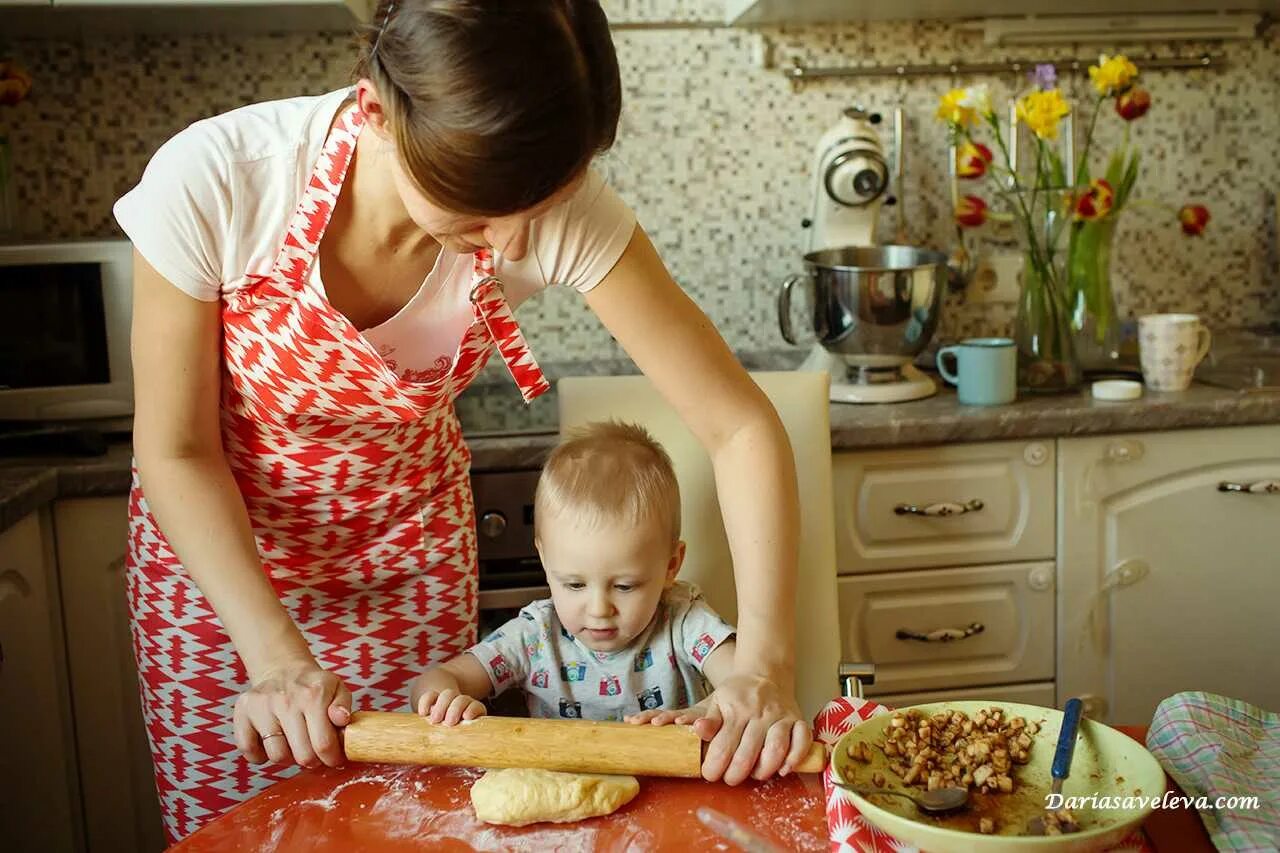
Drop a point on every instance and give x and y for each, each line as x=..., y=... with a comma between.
x=292, y=713
x=754, y=727
x=448, y=706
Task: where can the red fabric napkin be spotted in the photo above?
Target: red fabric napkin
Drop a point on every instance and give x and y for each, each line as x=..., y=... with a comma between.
x=850, y=833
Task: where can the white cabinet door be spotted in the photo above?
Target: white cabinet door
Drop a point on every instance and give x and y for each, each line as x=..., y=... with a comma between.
x=38, y=798
x=120, y=804
x=1168, y=583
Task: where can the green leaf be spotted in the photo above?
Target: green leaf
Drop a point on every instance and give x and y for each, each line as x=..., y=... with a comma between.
x=1115, y=169
x=1057, y=173
x=1127, y=182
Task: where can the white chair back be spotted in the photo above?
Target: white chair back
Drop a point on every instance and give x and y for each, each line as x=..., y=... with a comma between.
x=802, y=404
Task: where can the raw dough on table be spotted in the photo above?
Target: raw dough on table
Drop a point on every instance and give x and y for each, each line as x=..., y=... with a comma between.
x=517, y=797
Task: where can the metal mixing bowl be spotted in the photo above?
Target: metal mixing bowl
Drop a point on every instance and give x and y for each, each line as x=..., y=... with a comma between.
x=870, y=304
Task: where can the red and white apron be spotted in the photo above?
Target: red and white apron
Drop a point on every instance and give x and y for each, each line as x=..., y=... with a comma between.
x=356, y=483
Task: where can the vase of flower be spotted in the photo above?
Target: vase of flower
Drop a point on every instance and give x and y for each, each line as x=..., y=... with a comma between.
x=1064, y=216
x=1042, y=328
x=1094, y=322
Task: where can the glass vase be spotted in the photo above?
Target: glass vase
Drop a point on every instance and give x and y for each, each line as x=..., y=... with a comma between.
x=1047, y=361
x=1094, y=322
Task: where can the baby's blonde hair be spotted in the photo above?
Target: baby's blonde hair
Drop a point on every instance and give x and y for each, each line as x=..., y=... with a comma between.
x=609, y=471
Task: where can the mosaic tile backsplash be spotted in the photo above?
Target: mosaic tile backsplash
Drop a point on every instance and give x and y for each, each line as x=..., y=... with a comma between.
x=714, y=153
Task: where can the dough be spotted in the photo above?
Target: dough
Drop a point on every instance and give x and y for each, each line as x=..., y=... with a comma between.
x=517, y=797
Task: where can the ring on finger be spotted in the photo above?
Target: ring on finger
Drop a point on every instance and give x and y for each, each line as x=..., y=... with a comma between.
x=273, y=734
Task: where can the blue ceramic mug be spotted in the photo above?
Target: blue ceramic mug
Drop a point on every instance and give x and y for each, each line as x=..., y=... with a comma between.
x=986, y=371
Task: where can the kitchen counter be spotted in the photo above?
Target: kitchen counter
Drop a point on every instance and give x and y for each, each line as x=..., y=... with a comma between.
x=28, y=483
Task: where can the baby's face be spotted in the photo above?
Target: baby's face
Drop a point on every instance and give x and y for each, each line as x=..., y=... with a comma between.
x=606, y=581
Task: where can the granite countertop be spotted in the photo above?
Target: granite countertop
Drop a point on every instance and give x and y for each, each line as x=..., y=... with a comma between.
x=28, y=483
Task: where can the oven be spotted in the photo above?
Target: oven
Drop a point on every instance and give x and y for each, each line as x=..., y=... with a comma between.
x=510, y=572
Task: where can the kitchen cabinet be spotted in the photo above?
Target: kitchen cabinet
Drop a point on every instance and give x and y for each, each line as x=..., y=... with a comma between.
x=957, y=505
x=1041, y=693
x=38, y=787
x=946, y=568
x=1167, y=581
x=760, y=12
x=934, y=629
x=121, y=810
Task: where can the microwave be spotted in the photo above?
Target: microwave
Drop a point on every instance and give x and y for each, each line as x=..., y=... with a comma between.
x=65, y=310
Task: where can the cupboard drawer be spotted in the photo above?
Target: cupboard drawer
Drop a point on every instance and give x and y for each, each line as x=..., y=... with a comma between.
x=1007, y=486
x=883, y=618
x=1041, y=694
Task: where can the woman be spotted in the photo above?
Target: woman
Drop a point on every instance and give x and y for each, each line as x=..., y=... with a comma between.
x=314, y=285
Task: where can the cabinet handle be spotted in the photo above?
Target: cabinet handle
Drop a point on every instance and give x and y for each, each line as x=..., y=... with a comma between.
x=941, y=635
x=12, y=584
x=1261, y=487
x=939, y=510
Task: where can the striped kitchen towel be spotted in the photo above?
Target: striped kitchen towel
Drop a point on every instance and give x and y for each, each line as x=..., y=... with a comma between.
x=1217, y=747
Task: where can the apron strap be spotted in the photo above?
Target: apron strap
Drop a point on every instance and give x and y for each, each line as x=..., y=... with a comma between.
x=491, y=308
x=311, y=216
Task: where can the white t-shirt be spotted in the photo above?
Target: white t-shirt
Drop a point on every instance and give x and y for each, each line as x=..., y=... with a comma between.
x=212, y=206
x=660, y=670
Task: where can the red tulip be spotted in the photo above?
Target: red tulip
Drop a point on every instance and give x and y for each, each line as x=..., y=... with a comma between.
x=1133, y=103
x=971, y=212
x=14, y=83
x=1096, y=202
x=1194, y=218
x=972, y=159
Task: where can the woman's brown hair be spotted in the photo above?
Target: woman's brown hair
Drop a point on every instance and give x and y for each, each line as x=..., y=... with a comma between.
x=494, y=104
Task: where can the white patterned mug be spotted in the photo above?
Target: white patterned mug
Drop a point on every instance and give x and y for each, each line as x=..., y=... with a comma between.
x=1171, y=345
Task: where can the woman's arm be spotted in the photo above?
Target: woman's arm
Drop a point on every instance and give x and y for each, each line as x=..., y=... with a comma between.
x=678, y=348
x=176, y=342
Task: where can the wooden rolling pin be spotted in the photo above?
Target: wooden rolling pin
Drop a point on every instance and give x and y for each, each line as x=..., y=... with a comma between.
x=575, y=746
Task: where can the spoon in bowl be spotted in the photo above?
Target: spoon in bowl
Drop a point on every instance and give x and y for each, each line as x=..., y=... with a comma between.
x=935, y=802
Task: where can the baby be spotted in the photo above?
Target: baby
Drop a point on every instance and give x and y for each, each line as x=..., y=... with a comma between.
x=620, y=637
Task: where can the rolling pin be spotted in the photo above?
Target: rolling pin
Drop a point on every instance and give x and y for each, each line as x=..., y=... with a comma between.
x=574, y=746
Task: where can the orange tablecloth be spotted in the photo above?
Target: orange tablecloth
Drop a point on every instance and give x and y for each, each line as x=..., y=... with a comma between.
x=379, y=808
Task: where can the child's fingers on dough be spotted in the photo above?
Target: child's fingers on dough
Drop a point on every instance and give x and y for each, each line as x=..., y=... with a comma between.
x=475, y=709
x=642, y=717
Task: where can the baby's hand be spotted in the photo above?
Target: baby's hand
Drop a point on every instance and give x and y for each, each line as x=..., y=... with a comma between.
x=449, y=707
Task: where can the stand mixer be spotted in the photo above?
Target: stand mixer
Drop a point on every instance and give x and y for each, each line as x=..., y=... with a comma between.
x=873, y=308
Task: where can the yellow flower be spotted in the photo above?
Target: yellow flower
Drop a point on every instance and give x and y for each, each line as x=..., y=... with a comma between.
x=1112, y=75
x=978, y=99
x=954, y=108
x=1042, y=112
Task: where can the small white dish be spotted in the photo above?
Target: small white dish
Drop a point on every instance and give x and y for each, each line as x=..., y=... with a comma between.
x=1117, y=389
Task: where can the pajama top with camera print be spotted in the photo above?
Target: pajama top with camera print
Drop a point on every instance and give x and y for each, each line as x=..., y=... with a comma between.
x=561, y=677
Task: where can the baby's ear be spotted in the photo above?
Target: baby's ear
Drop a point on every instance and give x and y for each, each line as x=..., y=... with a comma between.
x=674, y=564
